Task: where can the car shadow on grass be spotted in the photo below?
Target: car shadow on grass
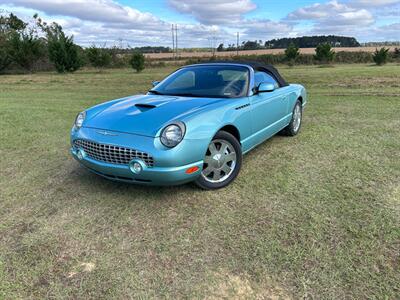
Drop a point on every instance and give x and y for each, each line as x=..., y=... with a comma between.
x=89, y=180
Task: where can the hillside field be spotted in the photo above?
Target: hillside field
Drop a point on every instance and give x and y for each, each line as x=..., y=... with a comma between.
x=183, y=54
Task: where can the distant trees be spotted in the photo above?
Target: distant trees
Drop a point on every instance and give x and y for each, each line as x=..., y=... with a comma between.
x=324, y=53
x=380, y=56
x=41, y=46
x=291, y=54
x=98, y=57
x=312, y=42
x=137, y=61
x=300, y=42
x=151, y=49
x=251, y=45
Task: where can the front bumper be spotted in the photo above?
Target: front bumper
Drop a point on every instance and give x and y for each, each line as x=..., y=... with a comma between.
x=170, y=165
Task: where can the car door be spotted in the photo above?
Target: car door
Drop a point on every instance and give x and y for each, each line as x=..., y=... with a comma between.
x=268, y=109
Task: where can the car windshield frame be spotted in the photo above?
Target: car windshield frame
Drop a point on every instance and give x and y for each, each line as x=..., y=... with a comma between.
x=158, y=89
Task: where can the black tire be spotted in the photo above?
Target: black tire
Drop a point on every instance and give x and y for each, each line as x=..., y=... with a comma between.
x=291, y=129
x=223, y=136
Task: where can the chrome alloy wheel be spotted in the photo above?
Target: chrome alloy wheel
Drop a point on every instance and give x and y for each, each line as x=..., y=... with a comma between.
x=219, y=162
x=296, y=118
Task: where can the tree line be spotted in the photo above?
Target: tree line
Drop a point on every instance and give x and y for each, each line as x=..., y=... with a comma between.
x=301, y=42
x=26, y=46
x=324, y=54
x=41, y=46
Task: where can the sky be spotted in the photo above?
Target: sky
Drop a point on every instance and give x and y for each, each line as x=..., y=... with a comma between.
x=203, y=23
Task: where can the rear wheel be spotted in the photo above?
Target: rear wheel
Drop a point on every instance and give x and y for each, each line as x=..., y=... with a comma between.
x=222, y=162
x=295, y=123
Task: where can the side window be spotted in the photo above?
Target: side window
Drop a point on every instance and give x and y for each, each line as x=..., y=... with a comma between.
x=260, y=77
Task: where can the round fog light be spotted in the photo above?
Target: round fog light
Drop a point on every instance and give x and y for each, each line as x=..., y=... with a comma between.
x=79, y=154
x=136, y=167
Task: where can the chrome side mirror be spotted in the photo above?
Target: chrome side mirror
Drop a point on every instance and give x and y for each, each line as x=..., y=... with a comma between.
x=265, y=87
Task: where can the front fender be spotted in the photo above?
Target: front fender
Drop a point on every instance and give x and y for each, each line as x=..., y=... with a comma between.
x=205, y=124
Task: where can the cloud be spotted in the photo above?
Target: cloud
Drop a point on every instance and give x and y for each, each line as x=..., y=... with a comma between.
x=333, y=17
x=265, y=29
x=105, y=11
x=372, y=3
x=318, y=11
x=211, y=12
x=107, y=21
x=388, y=32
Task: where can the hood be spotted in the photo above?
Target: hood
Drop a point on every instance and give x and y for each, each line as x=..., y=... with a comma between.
x=145, y=114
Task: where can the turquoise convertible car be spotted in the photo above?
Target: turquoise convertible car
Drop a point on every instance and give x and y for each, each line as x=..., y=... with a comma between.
x=195, y=125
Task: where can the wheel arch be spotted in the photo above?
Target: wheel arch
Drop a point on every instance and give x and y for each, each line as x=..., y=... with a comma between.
x=300, y=98
x=232, y=129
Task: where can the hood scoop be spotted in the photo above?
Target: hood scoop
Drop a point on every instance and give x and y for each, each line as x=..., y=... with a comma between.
x=144, y=107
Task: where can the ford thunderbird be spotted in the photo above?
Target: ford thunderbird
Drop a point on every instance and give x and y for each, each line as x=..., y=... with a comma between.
x=195, y=125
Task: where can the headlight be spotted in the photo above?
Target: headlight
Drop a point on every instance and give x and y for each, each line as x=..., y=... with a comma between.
x=79, y=119
x=173, y=134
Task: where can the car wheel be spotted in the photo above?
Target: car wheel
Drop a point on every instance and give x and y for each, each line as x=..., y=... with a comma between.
x=295, y=123
x=222, y=162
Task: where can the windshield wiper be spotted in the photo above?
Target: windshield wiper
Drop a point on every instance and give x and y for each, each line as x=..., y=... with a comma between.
x=200, y=96
x=188, y=95
x=155, y=92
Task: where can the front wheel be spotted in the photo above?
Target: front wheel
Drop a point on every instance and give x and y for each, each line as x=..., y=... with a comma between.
x=294, y=126
x=222, y=162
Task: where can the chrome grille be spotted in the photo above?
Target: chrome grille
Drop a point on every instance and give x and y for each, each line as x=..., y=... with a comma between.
x=112, y=154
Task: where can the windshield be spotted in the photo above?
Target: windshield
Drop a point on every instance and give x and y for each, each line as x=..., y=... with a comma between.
x=206, y=81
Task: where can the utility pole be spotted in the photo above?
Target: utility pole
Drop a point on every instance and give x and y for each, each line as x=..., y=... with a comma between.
x=237, y=44
x=173, y=40
x=176, y=39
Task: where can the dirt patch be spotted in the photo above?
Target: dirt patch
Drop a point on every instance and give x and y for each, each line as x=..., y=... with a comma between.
x=82, y=268
x=229, y=286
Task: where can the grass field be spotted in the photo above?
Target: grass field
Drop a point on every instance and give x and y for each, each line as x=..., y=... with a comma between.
x=315, y=216
x=199, y=54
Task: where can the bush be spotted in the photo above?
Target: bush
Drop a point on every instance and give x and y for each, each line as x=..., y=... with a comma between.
x=98, y=57
x=137, y=61
x=63, y=53
x=353, y=57
x=5, y=59
x=380, y=56
x=396, y=53
x=291, y=54
x=8, y=25
x=19, y=43
x=26, y=49
x=118, y=59
x=324, y=53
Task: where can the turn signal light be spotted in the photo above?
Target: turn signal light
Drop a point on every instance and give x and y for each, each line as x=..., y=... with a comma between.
x=192, y=170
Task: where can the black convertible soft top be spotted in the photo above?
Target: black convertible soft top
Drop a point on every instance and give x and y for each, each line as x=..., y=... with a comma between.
x=257, y=66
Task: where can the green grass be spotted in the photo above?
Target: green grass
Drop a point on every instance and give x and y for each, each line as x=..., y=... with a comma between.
x=315, y=216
